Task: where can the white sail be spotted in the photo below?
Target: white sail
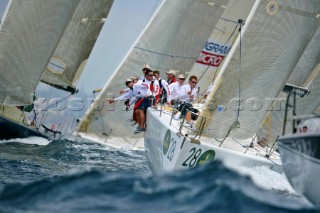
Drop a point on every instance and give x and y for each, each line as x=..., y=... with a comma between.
x=29, y=35
x=273, y=39
x=77, y=42
x=172, y=40
x=219, y=43
x=305, y=68
x=310, y=103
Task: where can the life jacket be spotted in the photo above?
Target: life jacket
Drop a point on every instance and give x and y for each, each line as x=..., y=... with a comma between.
x=172, y=80
x=163, y=92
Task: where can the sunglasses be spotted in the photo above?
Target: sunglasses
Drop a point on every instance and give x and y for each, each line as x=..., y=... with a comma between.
x=149, y=75
x=193, y=82
x=182, y=79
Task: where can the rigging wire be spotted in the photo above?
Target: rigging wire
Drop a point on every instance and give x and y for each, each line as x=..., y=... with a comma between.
x=241, y=22
x=236, y=124
x=209, y=65
x=164, y=54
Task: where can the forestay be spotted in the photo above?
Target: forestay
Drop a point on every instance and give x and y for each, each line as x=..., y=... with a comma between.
x=77, y=42
x=273, y=39
x=28, y=38
x=173, y=39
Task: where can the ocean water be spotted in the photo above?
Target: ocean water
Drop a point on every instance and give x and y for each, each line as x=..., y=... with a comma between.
x=69, y=176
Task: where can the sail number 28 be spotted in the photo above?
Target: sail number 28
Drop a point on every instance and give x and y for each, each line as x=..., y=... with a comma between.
x=192, y=159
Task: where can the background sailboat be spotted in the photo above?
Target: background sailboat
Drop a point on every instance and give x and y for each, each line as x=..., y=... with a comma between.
x=75, y=46
x=30, y=32
x=172, y=40
x=68, y=62
x=34, y=41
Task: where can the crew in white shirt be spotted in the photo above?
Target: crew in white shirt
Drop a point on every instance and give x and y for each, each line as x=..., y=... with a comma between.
x=190, y=91
x=164, y=92
x=128, y=95
x=144, y=90
x=176, y=88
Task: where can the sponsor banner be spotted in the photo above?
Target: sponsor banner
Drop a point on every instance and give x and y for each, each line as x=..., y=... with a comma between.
x=213, y=53
x=209, y=59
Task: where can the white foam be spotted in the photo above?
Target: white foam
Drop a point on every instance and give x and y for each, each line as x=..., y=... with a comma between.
x=31, y=140
x=266, y=178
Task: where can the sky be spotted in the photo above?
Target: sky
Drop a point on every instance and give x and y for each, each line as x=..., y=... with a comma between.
x=3, y=5
x=125, y=21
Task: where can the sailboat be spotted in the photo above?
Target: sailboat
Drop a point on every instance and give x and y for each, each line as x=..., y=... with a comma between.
x=300, y=149
x=272, y=40
x=172, y=39
x=32, y=36
x=70, y=58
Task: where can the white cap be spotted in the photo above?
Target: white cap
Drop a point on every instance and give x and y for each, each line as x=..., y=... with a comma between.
x=181, y=76
x=129, y=80
x=173, y=72
x=146, y=66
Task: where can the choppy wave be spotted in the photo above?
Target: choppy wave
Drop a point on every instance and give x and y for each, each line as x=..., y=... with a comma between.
x=66, y=176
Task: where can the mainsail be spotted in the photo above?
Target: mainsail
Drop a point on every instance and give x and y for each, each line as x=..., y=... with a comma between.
x=29, y=35
x=76, y=43
x=171, y=40
x=272, y=41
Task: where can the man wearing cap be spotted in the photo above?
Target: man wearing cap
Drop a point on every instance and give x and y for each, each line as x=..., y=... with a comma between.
x=143, y=89
x=144, y=69
x=134, y=79
x=128, y=95
x=164, y=93
x=171, y=76
x=176, y=88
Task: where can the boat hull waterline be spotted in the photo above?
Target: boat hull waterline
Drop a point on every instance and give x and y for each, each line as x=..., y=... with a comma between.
x=10, y=129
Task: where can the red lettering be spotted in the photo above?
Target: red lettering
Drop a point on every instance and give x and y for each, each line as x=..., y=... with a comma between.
x=209, y=59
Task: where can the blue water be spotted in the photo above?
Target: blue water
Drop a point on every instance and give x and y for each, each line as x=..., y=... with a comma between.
x=70, y=176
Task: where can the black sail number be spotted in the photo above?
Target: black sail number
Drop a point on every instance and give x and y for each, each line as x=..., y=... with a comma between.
x=192, y=159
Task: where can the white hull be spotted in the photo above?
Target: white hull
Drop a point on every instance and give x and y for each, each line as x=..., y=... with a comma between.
x=301, y=164
x=168, y=150
x=122, y=143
